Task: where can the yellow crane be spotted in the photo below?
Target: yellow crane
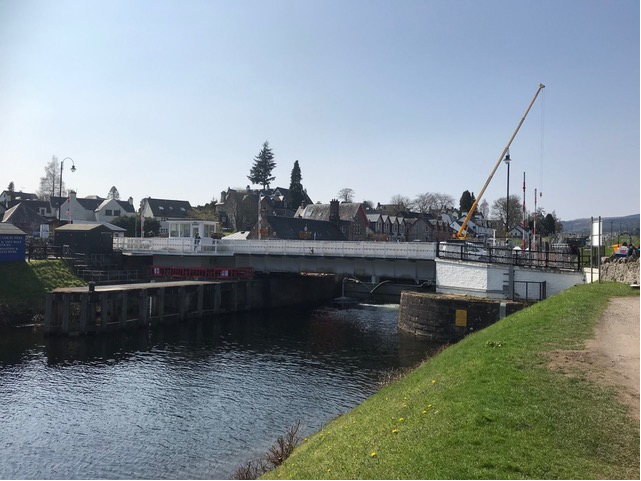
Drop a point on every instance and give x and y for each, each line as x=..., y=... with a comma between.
x=462, y=232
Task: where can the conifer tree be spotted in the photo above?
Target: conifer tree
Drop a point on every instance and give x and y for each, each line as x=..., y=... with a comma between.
x=261, y=171
x=296, y=192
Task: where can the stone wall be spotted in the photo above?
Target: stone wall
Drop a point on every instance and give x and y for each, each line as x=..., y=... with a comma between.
x=448, y=317
x=621, y=269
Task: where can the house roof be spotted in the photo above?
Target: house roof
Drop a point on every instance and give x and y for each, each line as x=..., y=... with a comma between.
x=346, y=211
x=7, y=228
x=89, y=203
x=22, y=214
x=35, y=205
x=18, y=195
x=169, y=208
x=108, y=225
x=125, y=206
x=291, y=227
x=81, y=227
x=242, y=235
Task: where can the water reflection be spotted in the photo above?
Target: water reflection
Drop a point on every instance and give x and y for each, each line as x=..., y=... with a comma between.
x=188, y=401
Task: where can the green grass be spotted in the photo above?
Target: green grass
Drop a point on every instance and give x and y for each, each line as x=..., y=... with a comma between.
x=487, y=408
x=25, y=283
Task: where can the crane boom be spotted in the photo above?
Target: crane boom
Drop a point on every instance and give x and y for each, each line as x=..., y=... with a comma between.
x=462, y=232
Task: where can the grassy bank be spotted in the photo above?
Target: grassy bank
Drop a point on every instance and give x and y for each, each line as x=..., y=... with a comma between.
x=488, y=407
x=24, y=284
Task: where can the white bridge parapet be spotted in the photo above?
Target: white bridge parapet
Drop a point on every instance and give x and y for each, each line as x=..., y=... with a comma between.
x=187, y=245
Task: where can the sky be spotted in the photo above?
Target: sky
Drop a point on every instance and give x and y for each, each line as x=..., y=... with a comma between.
x=174, y=99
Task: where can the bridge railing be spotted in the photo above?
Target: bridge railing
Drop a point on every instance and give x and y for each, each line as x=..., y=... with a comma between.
x=385, y=250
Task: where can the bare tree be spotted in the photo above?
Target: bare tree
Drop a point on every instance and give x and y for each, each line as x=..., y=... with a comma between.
x=346, y=194
x=424, y=202
x=401, y=202
x=484, y=208
x=434, y=202
x=510, y=218
x=444, y=203
x=49, y=183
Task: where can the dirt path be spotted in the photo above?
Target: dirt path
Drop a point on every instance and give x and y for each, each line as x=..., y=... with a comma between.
x=615, y=348
x=612, y=355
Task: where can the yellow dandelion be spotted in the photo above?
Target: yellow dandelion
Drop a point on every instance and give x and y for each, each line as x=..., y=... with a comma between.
x=401, y=419
x=395, y=431
x=433, y=381
x=429, y=406
x=424, y=411
x=373, y=454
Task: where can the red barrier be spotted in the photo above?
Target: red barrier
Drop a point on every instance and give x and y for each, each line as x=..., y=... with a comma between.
x=209, y=273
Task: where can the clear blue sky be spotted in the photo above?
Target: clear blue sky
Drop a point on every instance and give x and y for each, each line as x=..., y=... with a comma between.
x=173, y=99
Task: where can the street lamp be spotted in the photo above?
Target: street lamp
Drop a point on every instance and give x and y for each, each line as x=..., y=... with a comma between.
x=62, y=166
x=261, y=196
x=507, y=199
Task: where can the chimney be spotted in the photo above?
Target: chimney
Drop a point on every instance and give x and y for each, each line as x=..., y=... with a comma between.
x=131, y=201
x=333, y=211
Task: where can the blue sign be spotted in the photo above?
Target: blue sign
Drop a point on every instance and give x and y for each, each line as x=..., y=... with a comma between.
x=11, y=248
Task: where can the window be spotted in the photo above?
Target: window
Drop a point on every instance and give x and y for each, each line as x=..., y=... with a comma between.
x=116, y=213
x=108, y=212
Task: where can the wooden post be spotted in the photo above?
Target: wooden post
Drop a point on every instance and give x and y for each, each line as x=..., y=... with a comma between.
x=123, y=310
x=160, y=299
x=66, y=311
x=84, y=311
x=49, y=313
x=182, y=302
x=105, y=311
x=217, y=297
x=143, y=308
x=201, y=298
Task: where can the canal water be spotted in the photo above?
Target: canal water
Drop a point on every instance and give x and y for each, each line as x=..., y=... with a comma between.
x=192, y=401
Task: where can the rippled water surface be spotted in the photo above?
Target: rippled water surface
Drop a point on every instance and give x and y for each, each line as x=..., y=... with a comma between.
x=188, y=401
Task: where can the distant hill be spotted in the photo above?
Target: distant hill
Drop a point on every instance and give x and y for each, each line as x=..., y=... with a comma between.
x=628, y=223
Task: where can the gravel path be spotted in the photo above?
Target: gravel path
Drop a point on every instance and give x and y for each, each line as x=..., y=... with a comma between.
x=612, y=355
x=615, y=348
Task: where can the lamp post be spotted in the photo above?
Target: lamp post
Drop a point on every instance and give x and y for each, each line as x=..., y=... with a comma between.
x=261, y=196
x=507, y=199
x=62, y=166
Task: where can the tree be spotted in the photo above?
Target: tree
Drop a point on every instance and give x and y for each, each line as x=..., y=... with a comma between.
x=500, y=212
x=296, y=191
x=466, y=201
x=434, y=202
x=548, y=225
x=204, y=212
x=368, y=204
x=49, y=186
x=11, y=187
x=261, y=171
x=113, y=193
x=401, y=202
x=346, y=194
x=132, y=224
x=484, y=208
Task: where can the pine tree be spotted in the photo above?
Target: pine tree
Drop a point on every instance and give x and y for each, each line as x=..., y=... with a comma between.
x=466, y=202
x=296, y=192
x=261, y=171
x=113, y=193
